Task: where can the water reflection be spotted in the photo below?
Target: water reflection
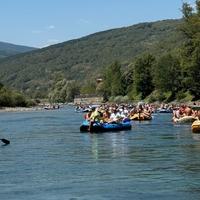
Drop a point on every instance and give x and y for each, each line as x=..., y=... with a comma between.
x=108, y=145
x=95, y=147
x=196, y=136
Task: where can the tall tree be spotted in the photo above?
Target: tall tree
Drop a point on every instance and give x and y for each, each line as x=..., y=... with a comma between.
x=167, y=74
x=112, y=83
x=191, y=50
x=64, y=91
x=142, y=75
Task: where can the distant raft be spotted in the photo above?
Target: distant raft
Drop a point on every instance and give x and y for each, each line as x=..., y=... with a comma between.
x=140, y=117
x=164, y=110
x=105, y=127
x=185, y=119
x=196, y=126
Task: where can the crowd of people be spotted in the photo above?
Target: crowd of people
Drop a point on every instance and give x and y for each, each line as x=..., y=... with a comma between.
x=185, y=111
x=114, y=113
x=118, y=112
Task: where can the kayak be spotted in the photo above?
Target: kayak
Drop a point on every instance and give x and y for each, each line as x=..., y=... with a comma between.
x=104, y=127
x=196, y=126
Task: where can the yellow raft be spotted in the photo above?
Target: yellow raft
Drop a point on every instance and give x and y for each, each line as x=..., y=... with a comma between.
x=140, y=117
x=185, y=119
x=196, y=126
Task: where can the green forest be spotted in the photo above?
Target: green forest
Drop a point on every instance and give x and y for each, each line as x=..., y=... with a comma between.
x=173, y=75
x=7, y=49
x=83, y=60
x=12, y=98
x=156, y=61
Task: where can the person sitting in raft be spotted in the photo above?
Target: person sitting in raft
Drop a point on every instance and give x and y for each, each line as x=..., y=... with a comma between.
x=188, y=111
x=106, y=116
x=198, y=115
x=87, y=116
x=115, y=116
x=179, y=113
x=94, y=117
x=146, y=114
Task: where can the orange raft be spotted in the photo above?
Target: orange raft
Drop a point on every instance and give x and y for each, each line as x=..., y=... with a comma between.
x=196, y=126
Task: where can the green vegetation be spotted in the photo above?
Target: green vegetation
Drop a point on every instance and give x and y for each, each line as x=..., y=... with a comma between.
x=11, y=98
x=190, y=54
x=173, y=75
x=64, y=91
x=7, y=49
x=156, y=61
x=112, y=85
x=85, y=59
x=142, y=76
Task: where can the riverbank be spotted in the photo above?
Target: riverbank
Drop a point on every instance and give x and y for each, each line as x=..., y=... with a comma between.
x=20, y=109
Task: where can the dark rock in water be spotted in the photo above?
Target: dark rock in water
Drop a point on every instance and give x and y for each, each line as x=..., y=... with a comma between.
x=5, y=141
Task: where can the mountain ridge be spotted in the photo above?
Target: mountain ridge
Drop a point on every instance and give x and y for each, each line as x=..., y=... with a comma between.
x=9, y=49
x=82, y=58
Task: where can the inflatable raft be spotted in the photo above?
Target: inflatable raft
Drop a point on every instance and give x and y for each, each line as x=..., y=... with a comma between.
x=185, y=119
x=164, y=110
x=140, y=117
x=104, y=127
x=196, y=126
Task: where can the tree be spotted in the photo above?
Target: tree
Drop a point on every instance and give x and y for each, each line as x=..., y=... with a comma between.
x=89, y=87
x=11, y=98
x=127, y=77
x=116, y=85
x=190, y=55
x=167, y=74
x=142, y=75
x=112, y=81
x=187, y=11
x=1, y=86
x=64, y=91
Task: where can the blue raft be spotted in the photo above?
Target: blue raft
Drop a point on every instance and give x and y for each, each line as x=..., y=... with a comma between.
x=104, y=127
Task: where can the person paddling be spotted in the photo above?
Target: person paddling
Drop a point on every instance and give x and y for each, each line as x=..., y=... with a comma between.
x=95, y=116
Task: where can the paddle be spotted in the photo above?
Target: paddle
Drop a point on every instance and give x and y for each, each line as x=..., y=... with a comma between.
x=5, y=141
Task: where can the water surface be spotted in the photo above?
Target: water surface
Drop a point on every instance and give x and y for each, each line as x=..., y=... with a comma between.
x=49, y=159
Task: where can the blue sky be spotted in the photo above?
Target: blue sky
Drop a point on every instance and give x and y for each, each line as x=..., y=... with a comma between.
x=40, y=23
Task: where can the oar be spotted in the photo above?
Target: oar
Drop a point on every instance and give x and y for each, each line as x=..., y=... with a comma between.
x=5, y=141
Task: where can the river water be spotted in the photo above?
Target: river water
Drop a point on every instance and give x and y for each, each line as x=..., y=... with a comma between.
x=49, y=159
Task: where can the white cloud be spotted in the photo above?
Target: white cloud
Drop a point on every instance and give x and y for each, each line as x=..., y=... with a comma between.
x=51, y=27
x=45, y=29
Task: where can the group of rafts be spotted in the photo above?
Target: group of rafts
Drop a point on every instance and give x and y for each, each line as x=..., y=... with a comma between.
x=118, y=117
x=114, y=117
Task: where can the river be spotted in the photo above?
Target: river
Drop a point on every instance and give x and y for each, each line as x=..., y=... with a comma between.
x=49, y=159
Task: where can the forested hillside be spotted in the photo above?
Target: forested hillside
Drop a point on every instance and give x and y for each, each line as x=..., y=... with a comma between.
x=171, y=76
x=7, y=49
x=81, y=60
